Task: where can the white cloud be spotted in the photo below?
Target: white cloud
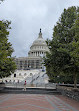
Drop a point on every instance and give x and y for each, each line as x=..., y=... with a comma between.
x=28, y=16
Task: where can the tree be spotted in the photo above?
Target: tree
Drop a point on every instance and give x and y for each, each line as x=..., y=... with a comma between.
x=74, y=50
x=1, y=1
x=7, y=64
x=64, y=46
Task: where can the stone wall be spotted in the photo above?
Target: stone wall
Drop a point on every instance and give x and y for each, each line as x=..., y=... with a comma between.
x=2, y=85
x=69, y=92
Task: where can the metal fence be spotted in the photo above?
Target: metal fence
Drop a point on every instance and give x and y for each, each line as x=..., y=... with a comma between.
x=40, y=85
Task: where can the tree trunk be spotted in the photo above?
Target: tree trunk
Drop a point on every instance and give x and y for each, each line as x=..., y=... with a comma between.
x=75, y=80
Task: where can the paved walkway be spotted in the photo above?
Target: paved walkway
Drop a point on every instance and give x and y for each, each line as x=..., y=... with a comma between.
x=36, y=102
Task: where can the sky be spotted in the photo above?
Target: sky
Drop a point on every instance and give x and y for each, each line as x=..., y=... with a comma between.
x=28, y=16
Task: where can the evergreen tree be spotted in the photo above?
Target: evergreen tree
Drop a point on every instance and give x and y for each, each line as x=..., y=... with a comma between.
x=63, y=58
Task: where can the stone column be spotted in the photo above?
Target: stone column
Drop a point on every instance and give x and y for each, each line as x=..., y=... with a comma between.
x=35, y=64
x=35, y=53
x=27, y=63
x=38, y=53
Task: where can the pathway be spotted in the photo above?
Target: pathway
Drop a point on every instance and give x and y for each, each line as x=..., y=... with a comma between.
x=37, y=102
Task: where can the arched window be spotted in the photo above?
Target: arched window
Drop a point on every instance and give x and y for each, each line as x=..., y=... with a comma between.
x=19, y=74
x=14, y=75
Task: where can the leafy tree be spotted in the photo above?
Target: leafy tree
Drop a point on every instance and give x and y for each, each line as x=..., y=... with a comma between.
x=63, y=58
x=7, y=64
x=1, y=1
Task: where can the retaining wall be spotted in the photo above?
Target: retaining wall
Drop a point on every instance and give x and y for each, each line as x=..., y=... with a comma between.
x=69, y=92
x=2, y=85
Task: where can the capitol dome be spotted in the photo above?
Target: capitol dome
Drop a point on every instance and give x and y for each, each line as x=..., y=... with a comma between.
x=39, y=47
x=39, y=41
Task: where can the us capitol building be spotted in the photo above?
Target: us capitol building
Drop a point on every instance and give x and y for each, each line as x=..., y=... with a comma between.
x=31, y=68
x=37, y=51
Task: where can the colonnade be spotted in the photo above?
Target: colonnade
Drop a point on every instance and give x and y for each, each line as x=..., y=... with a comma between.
x=27, y=64
x=37, y=53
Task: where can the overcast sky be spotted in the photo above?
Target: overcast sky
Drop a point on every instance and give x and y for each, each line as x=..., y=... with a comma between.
x=28, y=16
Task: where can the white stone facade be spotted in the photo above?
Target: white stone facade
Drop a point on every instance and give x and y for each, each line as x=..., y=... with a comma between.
x=39, y=47
x=31, y=68
x=34, y=59
x=21, y=75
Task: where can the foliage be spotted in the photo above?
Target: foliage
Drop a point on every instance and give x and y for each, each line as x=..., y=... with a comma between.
x=7, y=64
x=1, y=1
x=63, y=58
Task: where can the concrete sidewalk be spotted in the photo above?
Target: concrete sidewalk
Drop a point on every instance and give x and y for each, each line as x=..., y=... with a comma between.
x=34, y=102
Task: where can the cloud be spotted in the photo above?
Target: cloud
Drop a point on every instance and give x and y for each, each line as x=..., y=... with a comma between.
x=28, y=16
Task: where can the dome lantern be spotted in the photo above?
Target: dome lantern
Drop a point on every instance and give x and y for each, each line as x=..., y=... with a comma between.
x=40, y=34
